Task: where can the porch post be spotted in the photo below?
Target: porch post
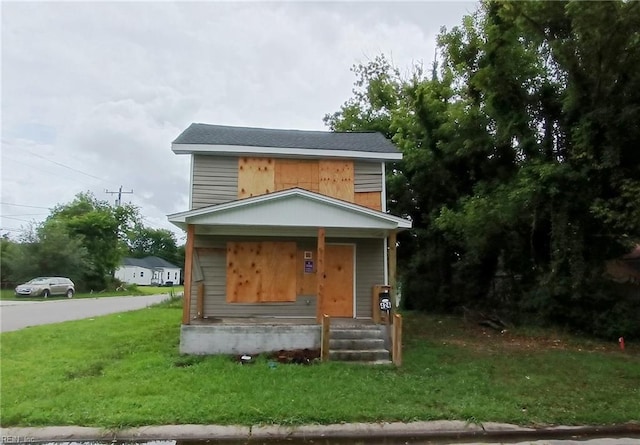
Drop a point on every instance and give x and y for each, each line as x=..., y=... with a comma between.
x=188, y=263
x=320, y=274
x=392, y=266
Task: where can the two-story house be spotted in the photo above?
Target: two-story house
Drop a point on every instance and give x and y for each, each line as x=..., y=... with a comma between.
x=283, y=225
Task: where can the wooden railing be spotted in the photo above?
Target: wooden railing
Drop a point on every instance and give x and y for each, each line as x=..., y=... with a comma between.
x=324, y=345
x=396, y=340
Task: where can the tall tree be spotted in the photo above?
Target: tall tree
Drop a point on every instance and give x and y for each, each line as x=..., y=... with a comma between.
x=101, y=229
x=520, y=158
x=46, y=250
x=147, y=241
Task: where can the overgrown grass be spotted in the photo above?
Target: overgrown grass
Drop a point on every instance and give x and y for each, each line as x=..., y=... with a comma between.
x=122, y=370
x=9, y=294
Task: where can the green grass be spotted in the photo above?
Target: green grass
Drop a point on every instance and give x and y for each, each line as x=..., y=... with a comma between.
x=124, y=369
x=9, y=294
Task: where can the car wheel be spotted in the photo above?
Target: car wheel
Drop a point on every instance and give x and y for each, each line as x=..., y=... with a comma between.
x=45, y=293
x=70, y=293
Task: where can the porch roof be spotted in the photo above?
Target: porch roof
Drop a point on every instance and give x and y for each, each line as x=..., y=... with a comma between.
x=290, y=212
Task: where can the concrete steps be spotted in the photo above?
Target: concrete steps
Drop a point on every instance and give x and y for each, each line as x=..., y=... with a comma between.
x=361, y=344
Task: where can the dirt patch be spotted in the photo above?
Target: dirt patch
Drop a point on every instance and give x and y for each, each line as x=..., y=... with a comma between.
x=293, y=357
x=458, y=332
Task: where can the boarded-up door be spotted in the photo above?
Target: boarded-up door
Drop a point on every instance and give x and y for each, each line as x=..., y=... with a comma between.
x=338, y=290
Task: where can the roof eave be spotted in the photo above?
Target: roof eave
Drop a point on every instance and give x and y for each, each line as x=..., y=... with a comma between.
x=182, y=219
x=245, y=150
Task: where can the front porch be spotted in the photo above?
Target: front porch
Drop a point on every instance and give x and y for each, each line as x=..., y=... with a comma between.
x=262, y=272
x=344, y=339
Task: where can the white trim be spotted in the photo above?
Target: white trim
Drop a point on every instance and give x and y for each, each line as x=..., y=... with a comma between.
x=191, y=181
x=245, y=150
x=385, y=242
x=384, y=188
x=183, y=216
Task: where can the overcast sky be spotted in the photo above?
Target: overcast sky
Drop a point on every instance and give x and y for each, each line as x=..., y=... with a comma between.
x=94, y=93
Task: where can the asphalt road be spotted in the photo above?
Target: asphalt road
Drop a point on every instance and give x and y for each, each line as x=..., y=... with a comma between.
x=16, y=315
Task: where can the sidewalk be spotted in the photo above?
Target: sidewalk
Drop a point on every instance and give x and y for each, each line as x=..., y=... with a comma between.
x=434, y=430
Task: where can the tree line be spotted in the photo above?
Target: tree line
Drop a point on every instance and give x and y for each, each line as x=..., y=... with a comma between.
x=521, y=167
x=85, y=240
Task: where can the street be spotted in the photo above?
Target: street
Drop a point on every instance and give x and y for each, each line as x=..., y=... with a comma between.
x=16, y=315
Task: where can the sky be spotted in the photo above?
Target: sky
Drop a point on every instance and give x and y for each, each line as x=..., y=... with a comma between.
x=93, y=93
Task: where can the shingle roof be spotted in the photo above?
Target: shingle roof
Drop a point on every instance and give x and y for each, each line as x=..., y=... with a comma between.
x=150, y=262
x=263, y=137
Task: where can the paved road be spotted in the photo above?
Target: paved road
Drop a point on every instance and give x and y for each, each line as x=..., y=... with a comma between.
x=21, y=314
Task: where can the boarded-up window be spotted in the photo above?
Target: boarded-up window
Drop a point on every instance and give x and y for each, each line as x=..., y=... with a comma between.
x=255, y=176
x=261, y=272
x=369, y=199
x=336, y=179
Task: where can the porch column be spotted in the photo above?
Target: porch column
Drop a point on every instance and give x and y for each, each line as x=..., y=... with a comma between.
x=320, y=274
x=392, y=266
x=188, y=266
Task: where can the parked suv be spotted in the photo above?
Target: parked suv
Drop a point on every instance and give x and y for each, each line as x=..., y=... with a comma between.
x=45, y=286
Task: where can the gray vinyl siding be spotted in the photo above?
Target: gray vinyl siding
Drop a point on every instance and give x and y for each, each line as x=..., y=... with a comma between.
x=215, y=180
x=369, y=271
x=367, y=176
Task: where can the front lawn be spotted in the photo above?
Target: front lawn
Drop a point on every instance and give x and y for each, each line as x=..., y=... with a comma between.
x=124, y=370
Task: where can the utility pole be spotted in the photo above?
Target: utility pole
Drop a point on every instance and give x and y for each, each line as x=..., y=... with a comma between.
x=119, y=192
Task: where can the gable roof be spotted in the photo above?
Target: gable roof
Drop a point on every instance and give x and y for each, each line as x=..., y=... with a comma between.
x=203, y=138
x=150, y=262
x=294, y=212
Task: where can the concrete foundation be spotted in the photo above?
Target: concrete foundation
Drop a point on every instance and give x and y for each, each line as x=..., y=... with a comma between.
x=247, y=338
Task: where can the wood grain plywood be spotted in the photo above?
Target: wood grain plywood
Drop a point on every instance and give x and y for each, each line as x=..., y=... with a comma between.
x=256, y=176
x=278, y=272
x=337, y=179
x=243, y=272
x=259, y=272
x=337, y=300
x=306, y=283
x=291, y=173
x=371, y=200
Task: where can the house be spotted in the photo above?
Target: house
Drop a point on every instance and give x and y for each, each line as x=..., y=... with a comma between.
x=283, y=226
x=148, y=271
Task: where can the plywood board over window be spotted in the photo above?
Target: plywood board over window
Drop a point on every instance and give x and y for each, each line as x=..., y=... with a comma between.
x=261, y=272
x=256, y=176
x=290, y=173
x=371, y=200
x=336, y=179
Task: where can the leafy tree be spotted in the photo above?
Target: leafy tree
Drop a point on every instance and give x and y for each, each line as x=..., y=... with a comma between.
x=47, y=250
x=101, y=229
x=520, y=158
x=146, y=241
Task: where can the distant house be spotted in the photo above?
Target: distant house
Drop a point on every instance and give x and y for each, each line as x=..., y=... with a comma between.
x=148, y=271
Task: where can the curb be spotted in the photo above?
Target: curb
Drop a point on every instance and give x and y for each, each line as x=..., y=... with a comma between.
x=441, y=429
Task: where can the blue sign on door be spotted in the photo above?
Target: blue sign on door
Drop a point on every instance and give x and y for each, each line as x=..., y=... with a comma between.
x=308, y=266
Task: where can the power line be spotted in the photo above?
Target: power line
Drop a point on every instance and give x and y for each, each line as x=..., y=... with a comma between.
x=24, y=214
x=65, y=166
x=17, y=219
x=24, y=205
x=48, y=171
x=10, y=229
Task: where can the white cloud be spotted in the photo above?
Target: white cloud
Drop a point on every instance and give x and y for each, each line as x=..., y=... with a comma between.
x=103, y=88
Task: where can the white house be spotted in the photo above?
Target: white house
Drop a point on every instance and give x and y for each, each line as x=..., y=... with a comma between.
x=148, y=271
